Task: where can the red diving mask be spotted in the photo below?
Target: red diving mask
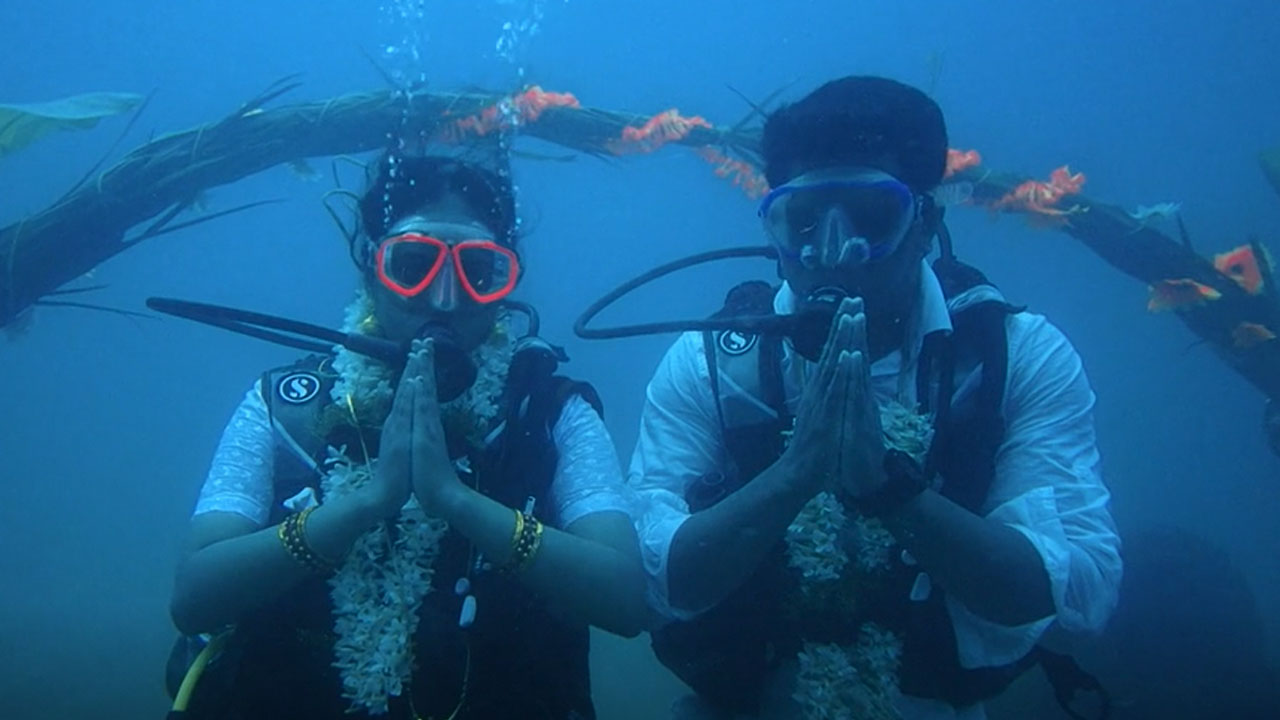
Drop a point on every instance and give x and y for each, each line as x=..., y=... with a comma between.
x=408, y=263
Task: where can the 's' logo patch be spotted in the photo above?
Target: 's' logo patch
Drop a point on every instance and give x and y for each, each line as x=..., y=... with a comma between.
x=734, y=342
x=298, y=387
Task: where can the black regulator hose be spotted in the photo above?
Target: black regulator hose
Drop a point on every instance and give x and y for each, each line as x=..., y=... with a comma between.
x=283, y=331
x=752, y=323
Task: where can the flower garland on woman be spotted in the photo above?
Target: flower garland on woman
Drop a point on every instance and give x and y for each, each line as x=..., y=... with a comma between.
x=378, y=589
x=425, y=541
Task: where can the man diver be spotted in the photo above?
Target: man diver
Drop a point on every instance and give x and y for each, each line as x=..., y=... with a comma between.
x=808, y=555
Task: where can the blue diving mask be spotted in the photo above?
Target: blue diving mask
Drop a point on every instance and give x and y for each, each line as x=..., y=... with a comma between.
x=839, y=217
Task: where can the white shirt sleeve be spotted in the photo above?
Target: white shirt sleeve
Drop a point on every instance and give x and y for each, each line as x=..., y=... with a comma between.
x=240, y=477
x=1048, y=486
x=679, y=442
x=588, y=477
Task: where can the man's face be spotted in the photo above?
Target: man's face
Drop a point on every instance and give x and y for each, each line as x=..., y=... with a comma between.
x=857, y=229
x=876, y=282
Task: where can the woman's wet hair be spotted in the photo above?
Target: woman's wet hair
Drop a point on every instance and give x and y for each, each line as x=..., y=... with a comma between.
x=854, y=121
x=400, y=186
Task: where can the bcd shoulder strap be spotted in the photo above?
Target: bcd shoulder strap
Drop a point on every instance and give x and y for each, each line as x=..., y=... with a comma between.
x=296, y=395
x=968, y=436
x=535, y=399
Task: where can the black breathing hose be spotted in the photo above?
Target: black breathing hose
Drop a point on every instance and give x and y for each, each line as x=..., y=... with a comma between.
x=758, y=324
x=283, y=331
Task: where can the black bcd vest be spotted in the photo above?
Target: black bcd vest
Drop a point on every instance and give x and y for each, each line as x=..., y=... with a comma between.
x=517, y=660
x=725, y=654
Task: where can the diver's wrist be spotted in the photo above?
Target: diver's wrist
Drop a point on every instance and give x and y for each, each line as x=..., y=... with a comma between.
x=365, y=507
x=445, y=497
x=335, y=525
x=901, y=480
x=801, y=472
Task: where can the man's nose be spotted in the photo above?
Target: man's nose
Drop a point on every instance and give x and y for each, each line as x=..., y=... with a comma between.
x=839, y=242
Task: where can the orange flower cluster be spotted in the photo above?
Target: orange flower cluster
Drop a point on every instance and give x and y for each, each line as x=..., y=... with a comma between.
x=508, y=113
x=1241, y=265
x=1179, y=294
x=958, y=160
x=665, y=127
x=1041, y=198
x=743, y=174
x=1247, y=335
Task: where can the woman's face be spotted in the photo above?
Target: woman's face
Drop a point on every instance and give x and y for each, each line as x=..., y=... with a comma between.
x=443, y=301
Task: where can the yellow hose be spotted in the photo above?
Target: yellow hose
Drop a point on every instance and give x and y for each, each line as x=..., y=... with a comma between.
x=194, y=672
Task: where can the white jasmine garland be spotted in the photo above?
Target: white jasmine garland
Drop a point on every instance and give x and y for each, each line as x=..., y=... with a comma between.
x=873, y=543
x=906, y=429
x=363, y=380
x=379, y=587
x=474, y=411
x=858, y=681
x=853, y=683
x=813, y=539
x=376, y=594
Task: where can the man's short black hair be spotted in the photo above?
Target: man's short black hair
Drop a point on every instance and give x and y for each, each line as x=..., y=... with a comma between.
x=853, y=121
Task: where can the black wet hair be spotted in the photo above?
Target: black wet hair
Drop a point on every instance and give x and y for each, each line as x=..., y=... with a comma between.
x=401, y=185
x=853, y=121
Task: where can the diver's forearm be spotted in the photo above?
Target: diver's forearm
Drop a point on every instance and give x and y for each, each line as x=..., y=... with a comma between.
x=990, y=567
x=583, y=579
x=717, y=549
x=218, y=585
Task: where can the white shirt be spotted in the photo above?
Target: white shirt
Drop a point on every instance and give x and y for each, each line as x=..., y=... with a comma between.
x=588, y=476
x=1047, y=483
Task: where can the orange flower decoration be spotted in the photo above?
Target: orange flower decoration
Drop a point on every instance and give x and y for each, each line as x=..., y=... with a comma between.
x=665, y=127
x=958, y=160
x=531, y=103
x=507, y=114
x=1249, y=335
x=1042, y=198
x=1241, y=265
x=1179, y=294
x=743, y=174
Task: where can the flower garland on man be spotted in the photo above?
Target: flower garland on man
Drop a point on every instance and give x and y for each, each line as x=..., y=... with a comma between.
x=810, y=559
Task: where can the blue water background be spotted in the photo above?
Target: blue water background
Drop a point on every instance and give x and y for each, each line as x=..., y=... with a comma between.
x=108, y=425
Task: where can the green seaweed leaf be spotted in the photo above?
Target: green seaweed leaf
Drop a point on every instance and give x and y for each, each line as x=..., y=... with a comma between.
x=21, y=125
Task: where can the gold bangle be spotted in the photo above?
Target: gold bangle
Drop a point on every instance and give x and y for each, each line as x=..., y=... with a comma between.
x=524, y=542
x=518, y=531
x=534, y=545
x=292, y=535
x=302, y=534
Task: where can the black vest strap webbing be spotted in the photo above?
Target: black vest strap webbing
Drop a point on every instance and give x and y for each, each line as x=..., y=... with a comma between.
x=968, y=437
x=713, y=371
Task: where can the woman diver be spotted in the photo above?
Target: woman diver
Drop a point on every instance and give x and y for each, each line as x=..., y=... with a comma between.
x=424, y=542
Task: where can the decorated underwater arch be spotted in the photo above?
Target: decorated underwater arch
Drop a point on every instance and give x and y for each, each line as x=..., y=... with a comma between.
x=1229, y=300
